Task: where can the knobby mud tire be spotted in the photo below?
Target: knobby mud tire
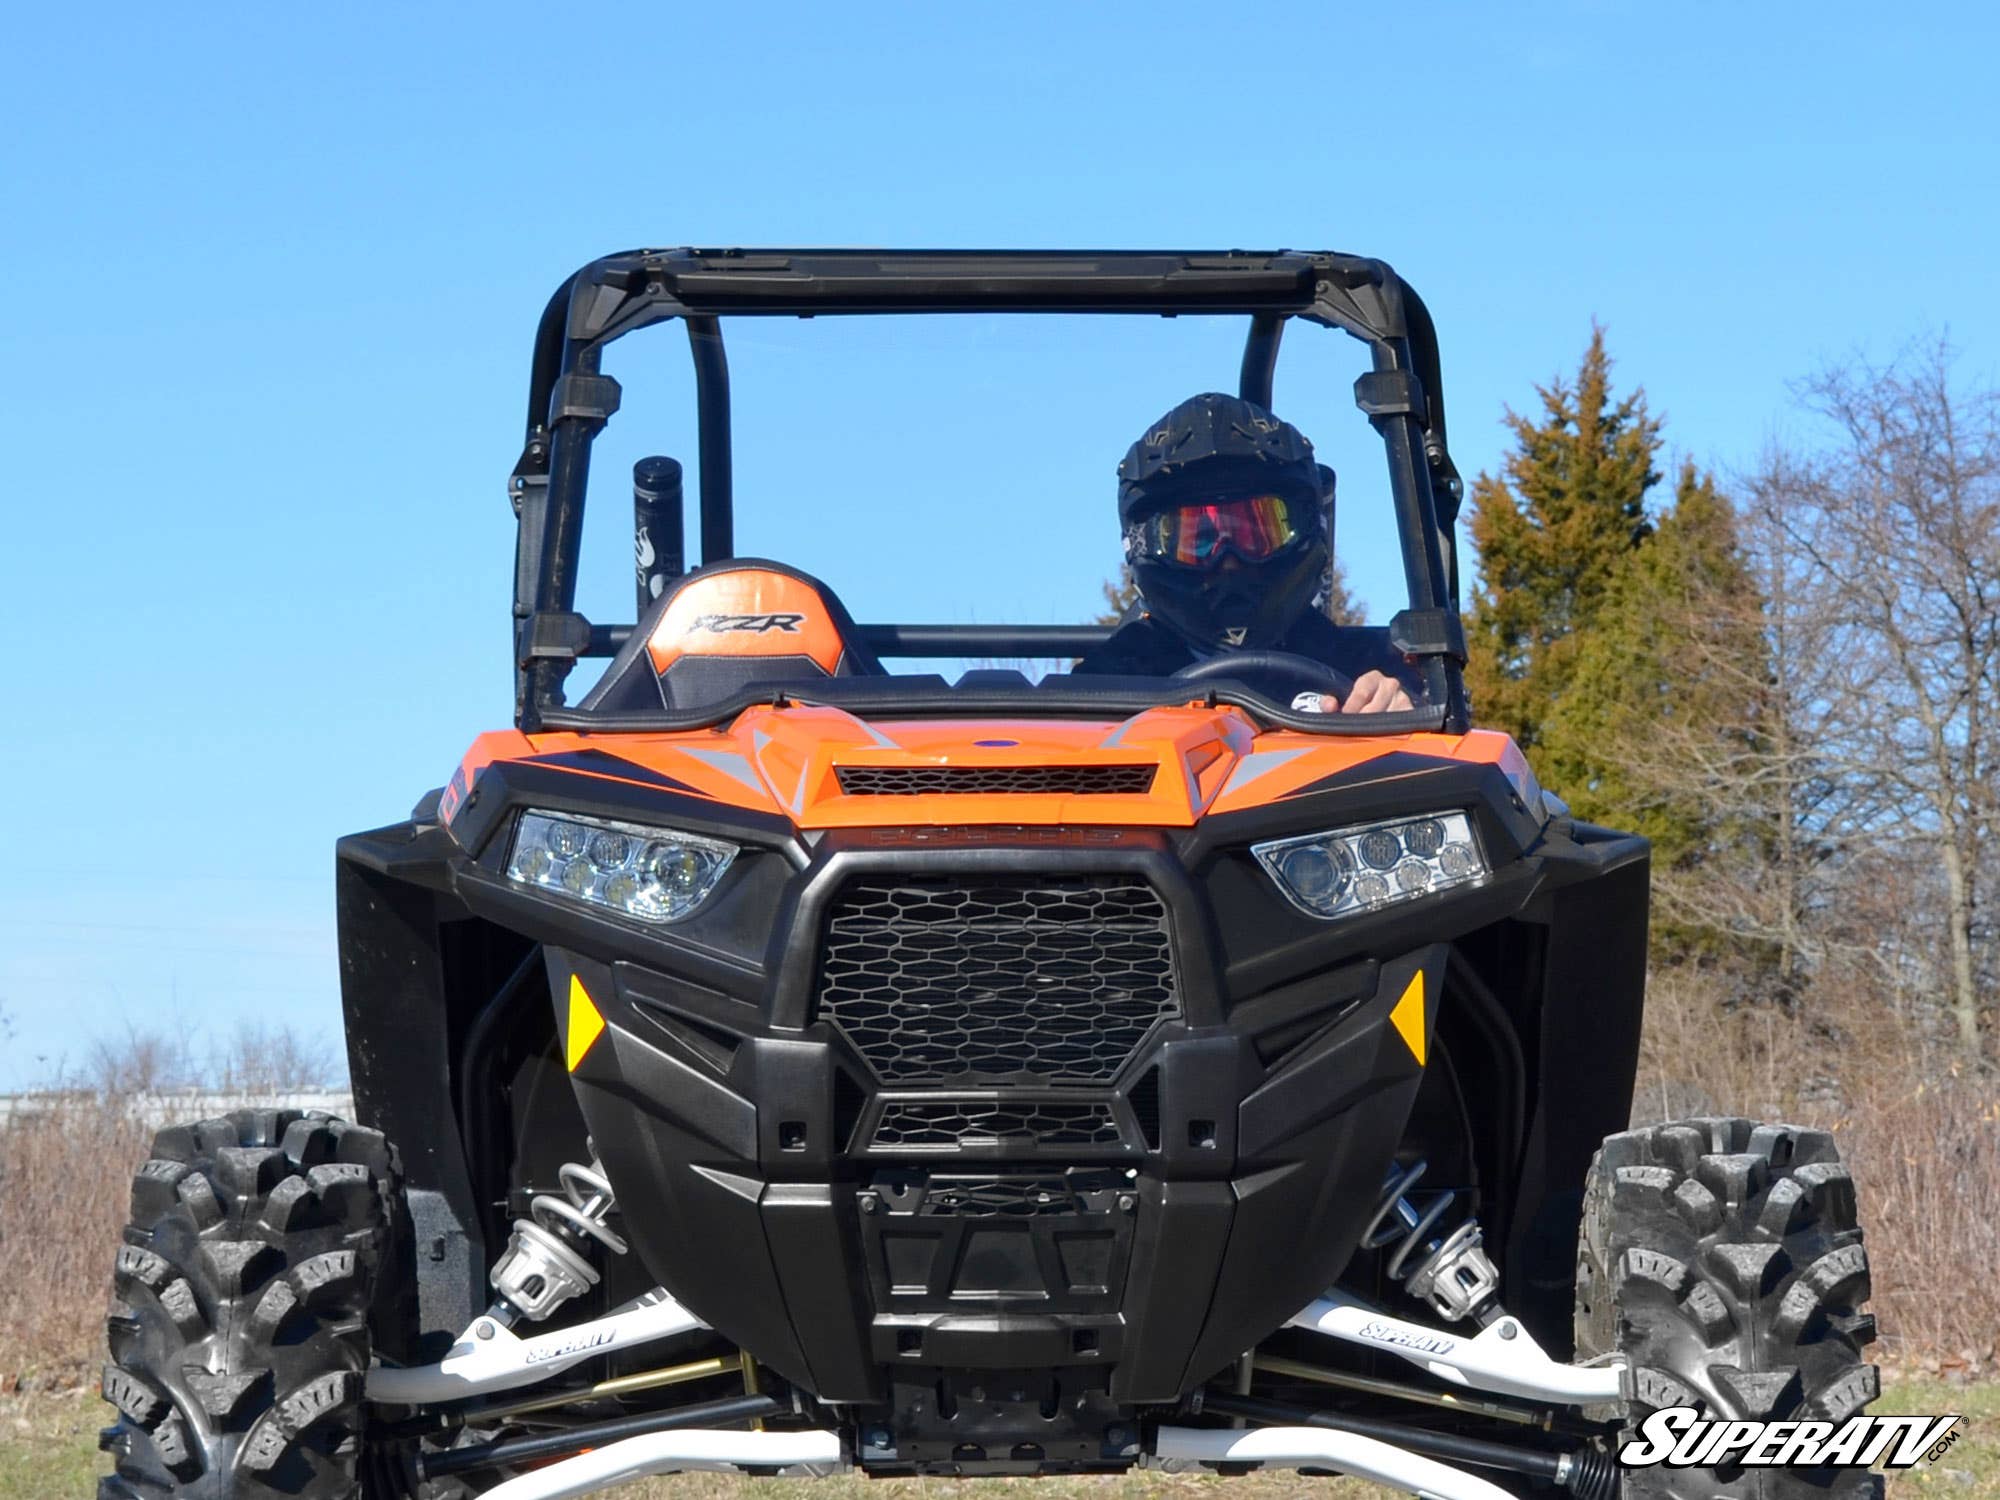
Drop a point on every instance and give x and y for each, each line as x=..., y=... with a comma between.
x=240, y=1336
x=1724, y=1259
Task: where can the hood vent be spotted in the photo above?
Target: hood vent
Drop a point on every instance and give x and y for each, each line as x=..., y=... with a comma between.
x=1023, y=781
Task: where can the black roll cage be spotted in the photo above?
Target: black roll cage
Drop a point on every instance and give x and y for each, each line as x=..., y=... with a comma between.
x=570, y=400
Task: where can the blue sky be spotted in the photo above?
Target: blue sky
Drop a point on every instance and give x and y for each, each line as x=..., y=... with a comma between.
x=272, y=278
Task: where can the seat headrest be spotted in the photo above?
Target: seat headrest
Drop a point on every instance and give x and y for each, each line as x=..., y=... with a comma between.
x=749, y=609
x=725, y=626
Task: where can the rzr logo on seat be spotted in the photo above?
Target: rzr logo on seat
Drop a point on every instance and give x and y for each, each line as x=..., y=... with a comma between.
x=755, y=624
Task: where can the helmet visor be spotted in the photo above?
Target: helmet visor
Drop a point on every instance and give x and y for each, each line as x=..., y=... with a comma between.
x=1198, y=535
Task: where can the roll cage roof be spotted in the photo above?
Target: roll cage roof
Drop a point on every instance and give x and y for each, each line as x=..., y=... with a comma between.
x=570, y=399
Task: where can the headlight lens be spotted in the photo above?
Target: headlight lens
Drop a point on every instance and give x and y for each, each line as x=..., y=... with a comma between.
x=1359, y=869
x=648, y=874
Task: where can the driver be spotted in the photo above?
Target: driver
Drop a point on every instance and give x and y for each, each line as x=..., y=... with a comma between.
x=1224, y=512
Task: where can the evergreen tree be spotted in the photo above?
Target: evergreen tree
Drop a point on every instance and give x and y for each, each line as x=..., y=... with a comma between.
x=1551, y=533
x=1674, y=724
x=1670, y=672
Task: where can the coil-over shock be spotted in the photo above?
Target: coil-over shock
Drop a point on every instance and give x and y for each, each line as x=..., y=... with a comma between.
x=547, y=1261
x=1450, y=1272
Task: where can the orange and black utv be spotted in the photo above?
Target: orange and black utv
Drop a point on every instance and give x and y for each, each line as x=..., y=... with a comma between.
x=776, y=1065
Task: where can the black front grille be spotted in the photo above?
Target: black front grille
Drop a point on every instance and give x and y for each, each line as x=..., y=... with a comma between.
x=917, y=781
x=1034, y=980
x=1019, y=1197
x=929, y=1125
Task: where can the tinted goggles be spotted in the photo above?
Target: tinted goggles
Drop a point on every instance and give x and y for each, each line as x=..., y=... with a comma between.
x=1197, y=535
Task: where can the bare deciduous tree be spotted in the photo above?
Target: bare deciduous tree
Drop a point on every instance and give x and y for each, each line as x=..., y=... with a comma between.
x=1897, y=525
x=272, y=1060
x=142, y=1062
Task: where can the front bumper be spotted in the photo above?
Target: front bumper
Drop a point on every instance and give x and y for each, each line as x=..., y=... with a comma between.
x=1151, y=1219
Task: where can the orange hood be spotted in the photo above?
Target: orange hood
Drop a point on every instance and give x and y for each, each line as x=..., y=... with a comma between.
x=790, y=761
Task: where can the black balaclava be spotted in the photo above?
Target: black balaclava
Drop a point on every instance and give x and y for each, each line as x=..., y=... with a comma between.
x=1210, y=448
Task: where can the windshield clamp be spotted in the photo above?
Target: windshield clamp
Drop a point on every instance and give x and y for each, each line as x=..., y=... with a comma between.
x=1428, y=632
x=551, y=635
x=591, y=398
x=1391, y=393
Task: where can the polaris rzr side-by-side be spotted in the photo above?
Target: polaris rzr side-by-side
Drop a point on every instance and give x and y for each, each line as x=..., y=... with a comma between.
x=769, y=1063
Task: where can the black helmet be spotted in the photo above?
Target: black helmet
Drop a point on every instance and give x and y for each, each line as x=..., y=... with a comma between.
x=1218, y=477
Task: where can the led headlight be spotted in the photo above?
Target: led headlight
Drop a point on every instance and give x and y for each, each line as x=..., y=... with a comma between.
x=650, y=874
x=1359, y=869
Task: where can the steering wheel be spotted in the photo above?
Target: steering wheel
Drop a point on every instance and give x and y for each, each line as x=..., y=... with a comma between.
x=1292, y=672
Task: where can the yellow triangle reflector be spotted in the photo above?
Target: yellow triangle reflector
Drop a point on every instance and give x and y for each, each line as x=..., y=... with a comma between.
x=1407, y=1018
x=586, y=1022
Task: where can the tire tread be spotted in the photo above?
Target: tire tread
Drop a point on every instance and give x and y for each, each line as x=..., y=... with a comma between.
x=241, y=1339
x=1723, y=1257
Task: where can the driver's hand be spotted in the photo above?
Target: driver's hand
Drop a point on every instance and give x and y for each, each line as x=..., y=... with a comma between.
x=1375, y=693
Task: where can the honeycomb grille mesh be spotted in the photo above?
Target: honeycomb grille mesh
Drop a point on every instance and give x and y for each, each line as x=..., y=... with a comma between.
x=954, y=1125
x=999, y=1197
x=1043, y=980
x=918, y=781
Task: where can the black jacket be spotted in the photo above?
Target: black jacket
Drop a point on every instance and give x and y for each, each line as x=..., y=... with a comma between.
x=1145, y=647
